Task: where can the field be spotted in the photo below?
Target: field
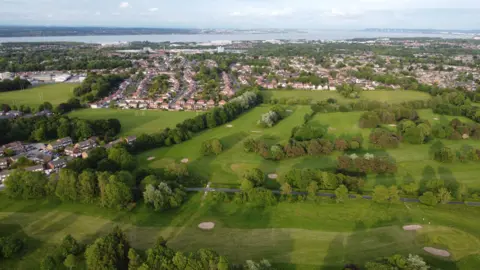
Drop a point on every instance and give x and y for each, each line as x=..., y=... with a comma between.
x=53, y=93
x=383, y=96
x=292, y=236
x=135, y=122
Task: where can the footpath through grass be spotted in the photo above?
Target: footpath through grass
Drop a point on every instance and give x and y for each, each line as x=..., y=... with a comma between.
x=53, y=93
x=136, y=122
x=307, y=235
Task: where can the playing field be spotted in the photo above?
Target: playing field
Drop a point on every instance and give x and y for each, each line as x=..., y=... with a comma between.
x=136, y=122
x=292, y=236
x=383, y=96
x=53, y=93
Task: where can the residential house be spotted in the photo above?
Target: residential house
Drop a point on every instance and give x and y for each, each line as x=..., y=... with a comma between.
x=211, y=103
x=72, y=151
x=86, y=145
x=60, y=143
x=58, y=164
x=17, y=157
x=113, y=143
x=200, y=104
x=190, y=102
x=37, y=168
x=4, y=175
x=16, y=147
x=14, y=114
x=3, y=163
x=164, y=106
x=222, y=103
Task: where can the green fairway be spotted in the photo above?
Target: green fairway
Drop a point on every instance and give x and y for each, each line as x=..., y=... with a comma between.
x=136, y=122
x=53, y=93
x=228, y=167
x=379, y=95
x=307, y=235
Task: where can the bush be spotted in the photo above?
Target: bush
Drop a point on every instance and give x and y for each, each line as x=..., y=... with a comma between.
x=307, y=132
x=211, y=147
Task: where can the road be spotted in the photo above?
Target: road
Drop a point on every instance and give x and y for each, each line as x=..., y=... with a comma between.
x=330, y=195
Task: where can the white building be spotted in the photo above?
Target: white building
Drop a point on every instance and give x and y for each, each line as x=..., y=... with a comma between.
x=220, y=49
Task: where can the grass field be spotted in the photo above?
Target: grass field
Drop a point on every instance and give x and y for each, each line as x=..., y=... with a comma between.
x=293, y=236
x=383, y=96
x=135, y=122
x=53, y=93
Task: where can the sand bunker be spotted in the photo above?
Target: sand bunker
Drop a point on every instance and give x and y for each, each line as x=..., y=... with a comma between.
x=185, y=160
x=436, y=119
x=412, y=227
x=229, y=126
x=206, y=225
x=272, y=176
x=289, y=111
x=392, y=125
x=150, y=158
x=437, y=252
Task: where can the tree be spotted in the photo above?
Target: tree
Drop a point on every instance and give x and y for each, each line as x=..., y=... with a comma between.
x=444, y=195
x=70, y=262
x=163, y=197
x=286, y=189
x=122, y=158
x=117, y=194
x=87, y=190
x=393, y=194
x=428, y=198
x=256, y=176
x=109, y=252
x=380, y=194
x=48, y=263
x=312, y=190
x=246, y=185
x=341, y=194
x=134, y=260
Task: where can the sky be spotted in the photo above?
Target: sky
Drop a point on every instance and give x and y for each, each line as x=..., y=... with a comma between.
x=300, y=14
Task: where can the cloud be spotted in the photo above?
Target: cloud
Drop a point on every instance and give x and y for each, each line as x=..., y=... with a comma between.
x=262, y=12
x=124, y=5
x=153, y=9
x=98, y=13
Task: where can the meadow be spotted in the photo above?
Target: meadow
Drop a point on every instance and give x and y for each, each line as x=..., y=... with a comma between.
x=53, y=93
x=135, y=122
x=391, y=97
x=307, y=235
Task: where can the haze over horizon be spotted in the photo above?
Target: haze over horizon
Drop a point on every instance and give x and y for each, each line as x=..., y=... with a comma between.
x=344, y=14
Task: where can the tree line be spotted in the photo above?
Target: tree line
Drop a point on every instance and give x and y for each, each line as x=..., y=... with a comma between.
x=114, y=251
x=185, y=130
x=15, y=84
x=43, y=128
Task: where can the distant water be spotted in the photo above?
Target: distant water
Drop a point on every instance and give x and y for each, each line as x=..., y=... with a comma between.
x=310, y=35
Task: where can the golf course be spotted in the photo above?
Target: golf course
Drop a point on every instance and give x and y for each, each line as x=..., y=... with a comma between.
x=299, y=234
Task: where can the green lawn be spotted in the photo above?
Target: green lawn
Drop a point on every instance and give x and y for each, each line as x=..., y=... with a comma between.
x=136, y=122
x=291, y=235
x=383, y=96
x=53, y=93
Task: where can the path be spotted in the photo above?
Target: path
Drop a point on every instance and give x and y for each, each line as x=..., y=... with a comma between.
x=331, y=195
